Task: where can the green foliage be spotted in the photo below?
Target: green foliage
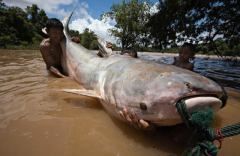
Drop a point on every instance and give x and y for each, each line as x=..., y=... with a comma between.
x=17, y=29
x=37, y=39
x=4, y=40
x=23, y=43
x=197, y=21
x=94, y=45
x=88, y=37
x=194, y=21
x=131, y=17
x=75, y=33
x=42, y=18
x=21, y=29
x=223, y=47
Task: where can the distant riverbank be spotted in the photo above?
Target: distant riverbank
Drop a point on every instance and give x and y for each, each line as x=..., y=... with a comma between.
x=148, y=53
x=173, y=54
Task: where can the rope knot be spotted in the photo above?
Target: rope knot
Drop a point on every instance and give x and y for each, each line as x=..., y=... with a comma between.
x=221, y=138
x=208, y=148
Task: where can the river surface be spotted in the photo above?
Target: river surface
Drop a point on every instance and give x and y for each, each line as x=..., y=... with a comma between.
x=37, y=119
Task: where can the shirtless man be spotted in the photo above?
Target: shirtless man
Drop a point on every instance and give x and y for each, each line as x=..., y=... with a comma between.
x=130, y=52
x=50, y=48
x=186, y=52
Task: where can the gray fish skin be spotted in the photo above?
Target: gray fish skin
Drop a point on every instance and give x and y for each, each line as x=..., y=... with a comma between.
x=126, y=82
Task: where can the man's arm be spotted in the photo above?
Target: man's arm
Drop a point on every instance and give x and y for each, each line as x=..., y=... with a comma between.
x=45, y=51
x=57, y=72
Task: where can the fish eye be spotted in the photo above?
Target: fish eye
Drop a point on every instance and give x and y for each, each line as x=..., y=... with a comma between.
x=143, y=106
x=187, y=84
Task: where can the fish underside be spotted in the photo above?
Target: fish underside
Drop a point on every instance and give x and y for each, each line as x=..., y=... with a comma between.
x=150, y=88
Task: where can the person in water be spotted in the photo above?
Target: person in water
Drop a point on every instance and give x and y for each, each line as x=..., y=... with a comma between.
x=108, y=45
x=130, y=52
x=186, y=52
x=50, y=48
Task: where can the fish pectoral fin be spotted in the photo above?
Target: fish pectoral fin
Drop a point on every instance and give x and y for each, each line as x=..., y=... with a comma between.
x=89, y=93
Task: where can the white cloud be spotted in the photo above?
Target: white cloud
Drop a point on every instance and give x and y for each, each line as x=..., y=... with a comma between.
x=62, y=12
x=100, y=27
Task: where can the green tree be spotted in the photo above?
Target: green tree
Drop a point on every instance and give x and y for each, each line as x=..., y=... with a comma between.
x=88, y=37
x=131, y=17
x=16, y=28
x=75, y=33
x=197, y=21
x=42, y=18
x=38, y=16
x=18, y=20
x=8, y=33
x=94, y=45
x=33, y=13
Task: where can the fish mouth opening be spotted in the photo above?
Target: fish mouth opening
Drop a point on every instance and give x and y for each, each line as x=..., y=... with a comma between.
x=200, y=103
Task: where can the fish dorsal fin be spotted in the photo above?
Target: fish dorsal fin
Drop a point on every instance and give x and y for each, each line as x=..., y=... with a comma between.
x=89, y=93
x=103, y=49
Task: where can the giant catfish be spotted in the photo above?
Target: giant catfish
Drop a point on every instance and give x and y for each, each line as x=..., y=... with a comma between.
x=150, y=88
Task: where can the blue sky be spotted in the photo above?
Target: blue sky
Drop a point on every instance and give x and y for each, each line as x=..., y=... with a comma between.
x=86, y=15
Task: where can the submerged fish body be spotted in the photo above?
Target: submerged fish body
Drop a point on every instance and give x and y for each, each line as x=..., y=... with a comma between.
x=150, y=88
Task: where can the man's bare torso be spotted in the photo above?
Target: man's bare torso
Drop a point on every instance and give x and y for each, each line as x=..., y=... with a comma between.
x=51, y=53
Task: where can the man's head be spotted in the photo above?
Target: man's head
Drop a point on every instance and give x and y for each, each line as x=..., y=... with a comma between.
x=54, y=23
x=187, y=51
x=190, y=46
x=54, y=29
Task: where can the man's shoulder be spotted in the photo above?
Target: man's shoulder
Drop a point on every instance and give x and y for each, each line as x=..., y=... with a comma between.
x=45, y=47
x=190, y=66
x=45, y=44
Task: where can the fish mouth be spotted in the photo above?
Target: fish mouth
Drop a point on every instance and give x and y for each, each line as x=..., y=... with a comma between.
x=200, y=103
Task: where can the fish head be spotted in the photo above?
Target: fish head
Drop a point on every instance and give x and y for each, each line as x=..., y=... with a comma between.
x=155, y=96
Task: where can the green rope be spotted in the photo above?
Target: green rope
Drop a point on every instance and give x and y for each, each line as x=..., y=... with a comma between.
x=199, y=124
x=231, y=130
x=182, y=110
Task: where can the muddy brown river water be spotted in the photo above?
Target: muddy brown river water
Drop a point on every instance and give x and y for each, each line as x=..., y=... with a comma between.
x=37, y=119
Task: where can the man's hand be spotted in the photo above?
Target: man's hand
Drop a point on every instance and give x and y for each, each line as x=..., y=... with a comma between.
x=138, y=124
x=109, y=45
x=57, y=72
x=76, y=39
